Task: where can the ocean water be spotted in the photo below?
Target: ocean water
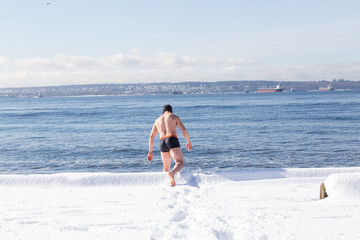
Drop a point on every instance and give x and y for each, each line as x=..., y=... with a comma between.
x=228, y=132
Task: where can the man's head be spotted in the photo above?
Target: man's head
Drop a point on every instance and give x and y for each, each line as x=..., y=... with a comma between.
x=167, y=108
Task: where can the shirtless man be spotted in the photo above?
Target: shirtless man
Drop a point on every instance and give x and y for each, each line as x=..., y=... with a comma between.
x=166, y=125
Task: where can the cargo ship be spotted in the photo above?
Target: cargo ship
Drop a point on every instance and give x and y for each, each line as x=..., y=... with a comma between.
x=278, y=88
x=328, y=88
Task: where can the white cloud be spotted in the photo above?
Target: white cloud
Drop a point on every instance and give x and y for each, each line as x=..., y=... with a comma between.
x=237, y=61
x=68, y=62
x=135, y=68
x=170, y=59
x=122, y=60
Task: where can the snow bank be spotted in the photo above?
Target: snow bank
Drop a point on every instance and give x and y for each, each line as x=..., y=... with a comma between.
x=242, y=204
x=83, y=179
x=184, y=178
x=343, y=185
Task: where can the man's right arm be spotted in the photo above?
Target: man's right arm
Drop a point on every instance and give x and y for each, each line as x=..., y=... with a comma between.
x=153, y=134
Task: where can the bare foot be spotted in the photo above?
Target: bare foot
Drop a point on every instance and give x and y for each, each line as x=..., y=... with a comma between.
x=172, y=180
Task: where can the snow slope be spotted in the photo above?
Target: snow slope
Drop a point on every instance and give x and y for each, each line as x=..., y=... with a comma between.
x=244, y=204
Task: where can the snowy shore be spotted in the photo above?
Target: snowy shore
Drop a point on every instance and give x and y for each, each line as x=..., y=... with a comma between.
x=243, y=204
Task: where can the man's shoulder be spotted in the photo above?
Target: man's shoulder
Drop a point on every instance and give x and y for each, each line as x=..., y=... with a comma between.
x=159, y=118
x=173, y=116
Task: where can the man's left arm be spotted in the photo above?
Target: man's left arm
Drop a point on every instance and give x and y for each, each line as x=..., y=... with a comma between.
x=185, y=133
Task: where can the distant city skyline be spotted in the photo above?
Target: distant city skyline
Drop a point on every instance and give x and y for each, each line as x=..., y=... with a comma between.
x=97, y=42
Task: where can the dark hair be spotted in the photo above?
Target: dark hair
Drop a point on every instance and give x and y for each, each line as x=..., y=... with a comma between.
x=167, y=108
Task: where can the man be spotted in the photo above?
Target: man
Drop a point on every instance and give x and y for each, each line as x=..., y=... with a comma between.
x=166, y=126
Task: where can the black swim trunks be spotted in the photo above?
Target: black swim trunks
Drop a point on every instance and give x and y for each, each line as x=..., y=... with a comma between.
x=168, y=142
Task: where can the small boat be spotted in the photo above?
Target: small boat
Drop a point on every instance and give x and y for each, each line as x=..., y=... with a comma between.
x=278, y=88
x=328, y=88
x=39, y=95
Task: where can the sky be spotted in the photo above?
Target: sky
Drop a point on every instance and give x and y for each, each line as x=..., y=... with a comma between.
x=66, y=42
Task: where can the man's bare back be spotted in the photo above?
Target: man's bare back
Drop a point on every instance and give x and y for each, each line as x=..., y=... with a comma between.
x=166, y=126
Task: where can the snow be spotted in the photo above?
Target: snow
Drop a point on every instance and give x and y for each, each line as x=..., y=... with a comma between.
x=242, y=204
x=344, y=185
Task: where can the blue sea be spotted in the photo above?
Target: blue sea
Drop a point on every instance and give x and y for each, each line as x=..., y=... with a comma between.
x=228, y=132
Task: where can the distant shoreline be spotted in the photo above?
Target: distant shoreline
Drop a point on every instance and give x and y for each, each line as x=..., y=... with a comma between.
x=166, y=88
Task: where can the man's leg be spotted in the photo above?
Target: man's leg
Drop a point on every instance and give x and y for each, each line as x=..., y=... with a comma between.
x=166, y=158
x=178, y=157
